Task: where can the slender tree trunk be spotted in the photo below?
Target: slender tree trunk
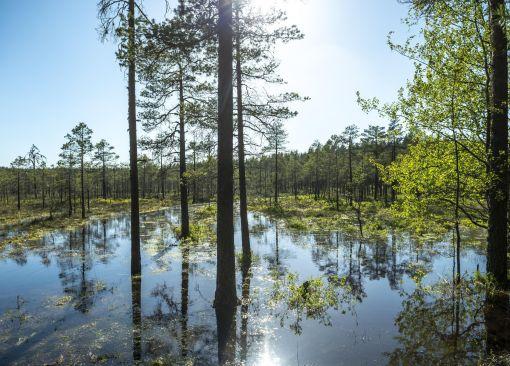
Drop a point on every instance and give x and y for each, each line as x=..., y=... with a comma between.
x=498, y=158
x=276, y=174
x=259, y=188
x=337, y=182
x=144, y=178
x=162, y=178
x=376, y=184
x=133, y=154
x=457, y=192
x=18, y=191
x=225, y=296
x=351, y=187
x=393, y=158
x=69, y=197
x=104, y=180
x=182, y=161
x=376, y=172
x=82, y=184
x=74, y=196
x=51, y=194
x=195, y=192
x=317, y=175
x=294, y=176
x=43, y=193
x=35, y=180
x=243, y=197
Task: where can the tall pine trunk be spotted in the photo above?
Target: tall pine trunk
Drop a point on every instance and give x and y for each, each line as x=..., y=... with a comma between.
x=351, y=187
x=225, y=297
x=276, y=174
x=69, y=196
x=82, y=184
x=183, y=180
x=162, y=177
x=104, y=180
x=393, y=158
x=133, y=154
x=225, y=281
x=337, y=182
x=43, y=185
x=18, y=192
x=497, y=194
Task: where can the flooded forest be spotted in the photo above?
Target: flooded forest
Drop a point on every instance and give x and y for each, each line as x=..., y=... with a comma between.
x=210, y=238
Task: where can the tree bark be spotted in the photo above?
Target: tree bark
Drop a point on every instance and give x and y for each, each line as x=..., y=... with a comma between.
x=393, y=158
x=43, y=193
x=82, y=184
x=133, y=154
x=69, y=198
x=498, y=158
x=19, y=192
x=243, y=198
x=104, y=180
x=276, y=173
x=183, y=180
x=351, y=187
x=225, y=296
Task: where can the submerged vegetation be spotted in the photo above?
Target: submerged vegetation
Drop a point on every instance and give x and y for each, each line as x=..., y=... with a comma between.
x=32, y=223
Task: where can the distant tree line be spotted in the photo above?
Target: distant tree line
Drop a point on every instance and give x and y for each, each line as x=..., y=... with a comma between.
x=343, y=169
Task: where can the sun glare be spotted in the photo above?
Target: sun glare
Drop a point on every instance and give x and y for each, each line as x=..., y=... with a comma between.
x=269, y=4
x=294, y=8
x=266, y=359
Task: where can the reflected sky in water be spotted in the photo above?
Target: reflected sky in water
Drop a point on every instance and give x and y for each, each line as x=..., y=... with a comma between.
x=68, y=298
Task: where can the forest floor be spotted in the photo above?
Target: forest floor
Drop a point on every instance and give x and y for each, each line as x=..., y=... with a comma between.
x=374, y=220
x=32, y=222
x=302, y=213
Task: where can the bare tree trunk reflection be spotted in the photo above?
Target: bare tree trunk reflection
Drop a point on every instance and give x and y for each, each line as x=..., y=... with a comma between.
x=136, y=307
x=277, y=244
x=226, y=328
x=103, y=222
x=245, y=302
x=497, y=322
x=184, y=300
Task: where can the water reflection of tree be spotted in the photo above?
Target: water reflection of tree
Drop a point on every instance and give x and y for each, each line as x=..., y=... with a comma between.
x=136, y=310
x=355, y=261
x=226, y=332
x=497, y=325
x=184, y=300
x=169, y=334
x=379, y=260
x=275, y=264
x=104, y=248
x=245, y=305
x=441, y=324
x=339, y=258
x=293, y=301
x=159, y=239
x=74, y=267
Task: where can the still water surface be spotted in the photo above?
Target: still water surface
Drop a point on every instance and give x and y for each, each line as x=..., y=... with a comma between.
x=68, y=299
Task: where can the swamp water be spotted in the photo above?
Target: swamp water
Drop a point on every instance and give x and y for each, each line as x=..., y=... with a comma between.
x=308, y=299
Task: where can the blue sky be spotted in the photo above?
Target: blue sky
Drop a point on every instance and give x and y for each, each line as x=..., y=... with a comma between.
x=55, y=71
